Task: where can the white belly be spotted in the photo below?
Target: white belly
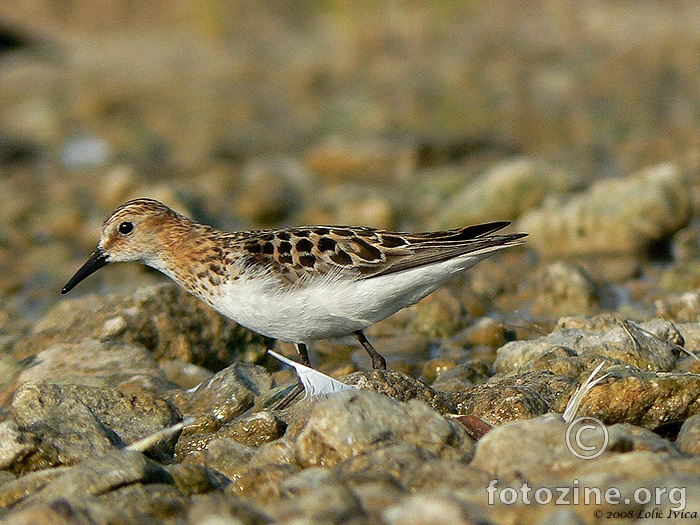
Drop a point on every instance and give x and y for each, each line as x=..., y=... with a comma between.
x=328, y=308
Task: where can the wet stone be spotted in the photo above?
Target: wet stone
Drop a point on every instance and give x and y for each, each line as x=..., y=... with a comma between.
x=226, y=395
x=253, y=430
x=249, y=431
x=461, y=376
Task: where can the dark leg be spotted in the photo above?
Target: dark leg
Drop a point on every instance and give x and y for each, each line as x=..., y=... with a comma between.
x=378, y=362
x=303, y=352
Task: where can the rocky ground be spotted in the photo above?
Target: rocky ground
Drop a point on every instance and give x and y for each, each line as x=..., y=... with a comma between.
x=561, y=119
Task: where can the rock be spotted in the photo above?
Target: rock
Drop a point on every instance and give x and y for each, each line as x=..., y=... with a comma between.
x=400, y=387
x=251, y=430
x=613, y=217
x=165, y=319
x=688, y=440
x=564, y=289
x=74, y=422
x=272, y=189
x=225, y=508
x=262, y=483
x=424, y=508
x=438, y=315
x=527, y=449
x=92, y=477
x=339, y=427
x=340, y=158
x=185, y=375
x=196, y=479
x=254, y=429
x=511, y=398
x=16, y=444
x=95, y=363
x=319, y=497
x=683, y=308
x=626, y=343
x=653, y=400
x=409, y=467
x=624, y=437
x=485, y=331
x=506, y=191
x=226, y=395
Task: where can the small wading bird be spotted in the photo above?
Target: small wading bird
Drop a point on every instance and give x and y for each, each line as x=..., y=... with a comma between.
x=294, y=284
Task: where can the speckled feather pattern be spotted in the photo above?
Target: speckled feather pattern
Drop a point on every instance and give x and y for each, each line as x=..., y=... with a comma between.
x=296, y=284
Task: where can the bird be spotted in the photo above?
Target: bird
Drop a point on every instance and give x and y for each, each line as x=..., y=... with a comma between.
x=299, y=284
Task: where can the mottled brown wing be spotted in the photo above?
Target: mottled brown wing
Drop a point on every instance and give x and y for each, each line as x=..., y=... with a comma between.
x=299, y=252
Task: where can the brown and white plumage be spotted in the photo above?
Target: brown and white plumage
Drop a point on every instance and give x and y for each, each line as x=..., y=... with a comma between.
x=294, y=284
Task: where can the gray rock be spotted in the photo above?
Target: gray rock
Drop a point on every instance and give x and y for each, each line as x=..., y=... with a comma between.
x=352, y=422
x=70, y=491
x=614, y=216
x=506, y=191
x=225, y=508
x=95, y=363
x=16, y=443
x=623, y=342
x=425, y=508
x=683, y=308
x=165, y=319
x=75, y=422
x=411, y=468
x=537, y=450
x=318, y=497
x=688, y=440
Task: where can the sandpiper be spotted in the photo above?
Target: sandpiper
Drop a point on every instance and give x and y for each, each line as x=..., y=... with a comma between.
x=294, y=284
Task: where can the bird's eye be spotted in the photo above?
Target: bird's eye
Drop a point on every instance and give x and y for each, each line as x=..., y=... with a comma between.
x=125, y=228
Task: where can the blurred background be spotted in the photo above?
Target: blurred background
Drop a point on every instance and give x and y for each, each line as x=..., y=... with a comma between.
x=404, y=115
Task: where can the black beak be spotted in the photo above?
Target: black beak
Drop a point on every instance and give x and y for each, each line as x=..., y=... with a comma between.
x=96, y=261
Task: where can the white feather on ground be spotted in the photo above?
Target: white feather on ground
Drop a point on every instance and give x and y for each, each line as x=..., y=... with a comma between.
x=144, y=444
x=575, y=400
x=315, y=383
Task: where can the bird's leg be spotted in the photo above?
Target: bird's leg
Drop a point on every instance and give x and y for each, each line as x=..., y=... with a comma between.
x=303, y=352
x=378, y=362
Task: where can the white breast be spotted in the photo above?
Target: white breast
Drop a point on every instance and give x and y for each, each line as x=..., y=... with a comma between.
x=330, y=306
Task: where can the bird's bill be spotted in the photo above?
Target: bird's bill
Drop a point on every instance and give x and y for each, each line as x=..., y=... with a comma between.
x=96, y=261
